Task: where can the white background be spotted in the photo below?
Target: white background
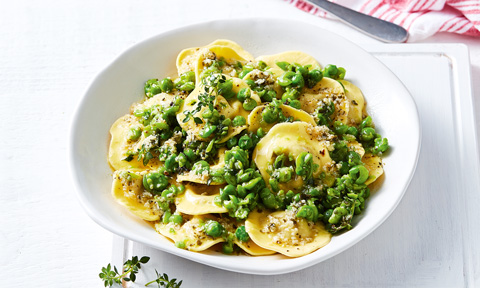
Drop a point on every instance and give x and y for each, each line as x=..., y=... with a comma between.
x=49, y=52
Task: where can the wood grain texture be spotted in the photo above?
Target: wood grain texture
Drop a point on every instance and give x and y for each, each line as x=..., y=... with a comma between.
x=50, y=51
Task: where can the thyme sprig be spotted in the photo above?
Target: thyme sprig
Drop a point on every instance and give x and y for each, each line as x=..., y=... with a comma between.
x=163, y=281
x=130, y=268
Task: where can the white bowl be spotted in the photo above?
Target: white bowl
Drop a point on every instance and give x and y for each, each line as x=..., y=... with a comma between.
x=121, y=83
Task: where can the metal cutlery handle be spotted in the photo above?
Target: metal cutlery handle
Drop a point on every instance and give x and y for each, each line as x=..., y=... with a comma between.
x=377, y=28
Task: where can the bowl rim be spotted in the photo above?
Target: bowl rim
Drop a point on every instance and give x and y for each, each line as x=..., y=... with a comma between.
x=294, y=264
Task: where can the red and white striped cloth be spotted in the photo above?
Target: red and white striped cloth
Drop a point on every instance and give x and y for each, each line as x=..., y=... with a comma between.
x=422, y=18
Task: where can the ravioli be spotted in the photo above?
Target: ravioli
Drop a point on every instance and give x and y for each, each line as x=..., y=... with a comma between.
x=282, y=232
x=120, y=145
x=292, y=139
x=132, y=195
x=253, y=249
x=327, y=90
x=190, y=233
x=357, y=101
x=199, y=199
x=374, y=166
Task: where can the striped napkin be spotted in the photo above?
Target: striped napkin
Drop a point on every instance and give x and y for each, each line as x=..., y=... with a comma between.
x=422, y=18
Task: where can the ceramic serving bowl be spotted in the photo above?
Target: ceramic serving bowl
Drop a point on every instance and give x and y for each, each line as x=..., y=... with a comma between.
x=114, y=89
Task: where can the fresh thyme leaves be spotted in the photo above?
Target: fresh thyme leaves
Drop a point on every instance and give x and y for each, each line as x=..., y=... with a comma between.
x=163, y=281
x=130, y=269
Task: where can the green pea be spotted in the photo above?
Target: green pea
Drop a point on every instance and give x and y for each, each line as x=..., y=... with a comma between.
x=232, y=142
x=269, y=115
x=227, y=122
x=134, y=133
x=249, y=104
x=252, y=183
x=190, y=154
x=170, y=163
x=250, y=83
x=243, y=94
x=201, y=166
x=314, y=76
x=279, y=161
x=176, y=219
x=268, y=199
x=148, y=87
x=303, y=70
x=352, y=131
x=341, y=73
x=244, y=177
x=188, y=76
x=166, y=217
x=188, y=86
x=166, y=85
x=297, y=81
x=208, y=130
x=245, y=142
x=362, y=173
x=337, y=214
x=308, y=212
x=239, y=121
x=241, y=191
x=367, y=122
x=180, y=244
x=354, y=158
x=171, y=111
x=330, y=71
x=367, y=134
x=313, y=192
x=295, y=104
x=227, y=247
x=290, y=94
x=225, y=88
x=155, y=182
x=207, y=114
x=181, y=189
x=155, y=89
x=340, y=128
x=284, y=174
x=260, y=132
x=242, y=234
x=230, y=179
x=273, y=184
x=304, y=165
x=328, y=214
x=261, y=65
x=214, y=229
x=285, y=66
x=182, y=160
x=353, y=196
x=289, y=196
x=286, y=78
x=267, y=96
x=227, y=191
x=380, y=145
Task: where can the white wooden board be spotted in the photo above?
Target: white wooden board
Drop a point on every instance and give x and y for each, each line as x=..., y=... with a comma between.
x=429, y=240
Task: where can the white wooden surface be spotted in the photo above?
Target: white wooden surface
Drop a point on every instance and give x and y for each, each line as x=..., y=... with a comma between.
x=49, y=52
